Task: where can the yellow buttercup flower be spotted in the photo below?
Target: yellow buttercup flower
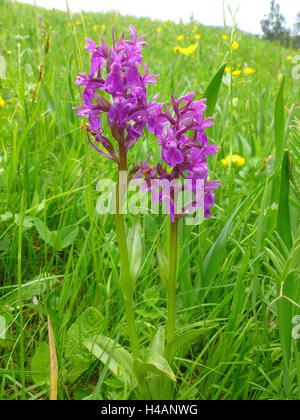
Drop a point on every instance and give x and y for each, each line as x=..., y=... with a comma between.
x=249, y=70
x=78, y=22
x=240, y=161
x=2, y=102
x=235, y=45
x=194, y=29
x=226, y=161
x=159, y=30
x=186, y=51
x=191, y=49
x=96, y=27
x=289, y=58
x=197, y=36
x=180, y=37
x=236, y=73
x=224, y=37
x=228, y=69
x=103, y=27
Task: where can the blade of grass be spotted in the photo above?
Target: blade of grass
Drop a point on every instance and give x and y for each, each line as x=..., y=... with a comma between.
x=284, y=221
x=285, y=309
x=53, y=363
x=215, y=256
x=22, y=356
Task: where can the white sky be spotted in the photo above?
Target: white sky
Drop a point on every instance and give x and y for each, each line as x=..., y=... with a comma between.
x=208, y=12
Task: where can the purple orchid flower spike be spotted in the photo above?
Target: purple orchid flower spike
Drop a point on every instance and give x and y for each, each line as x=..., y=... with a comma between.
x=184, y=151
x=128, y=111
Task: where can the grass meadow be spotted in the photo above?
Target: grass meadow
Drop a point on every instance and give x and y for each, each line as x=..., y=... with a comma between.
x=238, y=279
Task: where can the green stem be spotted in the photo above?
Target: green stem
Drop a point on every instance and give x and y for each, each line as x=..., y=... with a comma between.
x=22, y=358
x=124, y=259
x=172, y=280
x=134, y=342
x=124, y=277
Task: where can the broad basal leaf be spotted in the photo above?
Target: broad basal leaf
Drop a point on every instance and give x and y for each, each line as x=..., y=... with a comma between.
x=88, y=325
x=101, y=347
x=57, y=240
x=157, y=364
x=40, y=365
x=158, y=342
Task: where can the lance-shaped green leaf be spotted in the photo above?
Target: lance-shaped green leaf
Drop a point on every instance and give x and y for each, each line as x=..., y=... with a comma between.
x=212, y=91
x=158, y=342
x=89, y=324
x=280, y=123
x=58, y=240
x=157, y=364
x=40, y=365
x=292, y=263
x=284, y=220
x=135, y=251
x=67, y=235
x=103, y=347
x=43, y=230
x=36, y=287
x=163, y=264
